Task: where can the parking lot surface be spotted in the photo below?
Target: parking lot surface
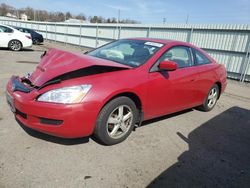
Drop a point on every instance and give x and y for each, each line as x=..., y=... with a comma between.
x=186, y=149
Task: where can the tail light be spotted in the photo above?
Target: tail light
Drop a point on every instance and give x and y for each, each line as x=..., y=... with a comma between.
x=29, y=37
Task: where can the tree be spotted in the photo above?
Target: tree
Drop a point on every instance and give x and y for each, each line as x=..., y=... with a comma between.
x=81, y=16
x=68, y=15
x=43, y=15
x=4, y=9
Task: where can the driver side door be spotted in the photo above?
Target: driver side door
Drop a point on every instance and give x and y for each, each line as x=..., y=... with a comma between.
x=171, y=91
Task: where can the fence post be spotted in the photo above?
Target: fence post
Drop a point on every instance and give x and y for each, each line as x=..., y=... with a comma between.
x=148, y=32
x=80, y=35
x=66, y=34
x=96, y=39
x=55, y=33
x=247, y=62
x=190, y=34
x=46, y=31
x=119, y=32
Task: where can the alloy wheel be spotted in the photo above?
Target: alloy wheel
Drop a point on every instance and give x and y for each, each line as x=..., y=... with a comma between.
x=15, y=45
x=212, y=97
x=119, y=122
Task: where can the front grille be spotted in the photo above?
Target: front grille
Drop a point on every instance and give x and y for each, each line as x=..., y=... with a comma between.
x=23, y=115
x=50, y=121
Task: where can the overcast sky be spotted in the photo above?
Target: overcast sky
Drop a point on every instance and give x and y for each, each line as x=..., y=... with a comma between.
x=150, y=11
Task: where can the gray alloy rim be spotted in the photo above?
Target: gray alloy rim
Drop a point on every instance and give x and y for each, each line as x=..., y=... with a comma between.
x=15, y=45
x=212, y=97
x=119, y=121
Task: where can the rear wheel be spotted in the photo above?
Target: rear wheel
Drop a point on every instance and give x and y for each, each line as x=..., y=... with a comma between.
x=15, y=45
x=36, y=41
x=211, y=99
x=116, y=121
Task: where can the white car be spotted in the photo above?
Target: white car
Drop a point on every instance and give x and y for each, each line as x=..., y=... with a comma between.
x=13, y=39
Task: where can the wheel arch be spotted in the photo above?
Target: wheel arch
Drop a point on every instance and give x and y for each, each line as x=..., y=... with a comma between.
x=134, y=97
x=131, y=95
x=218, y=83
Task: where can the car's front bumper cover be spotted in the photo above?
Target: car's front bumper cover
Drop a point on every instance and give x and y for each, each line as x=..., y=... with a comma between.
x=68, y=121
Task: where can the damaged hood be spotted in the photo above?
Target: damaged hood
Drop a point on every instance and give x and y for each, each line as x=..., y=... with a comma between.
x=57, y=62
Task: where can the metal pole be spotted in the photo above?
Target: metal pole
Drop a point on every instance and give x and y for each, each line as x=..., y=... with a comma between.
x=119, y=32
x=247, y=62
x=96, y=40
x=189, y=39
x=246, y=70
x=148, y=32
x=46, y=31
x=119, y=15
x=187, y=19
x=55, y=32
x=243, y=68
x=67, y=32
x=80, y=35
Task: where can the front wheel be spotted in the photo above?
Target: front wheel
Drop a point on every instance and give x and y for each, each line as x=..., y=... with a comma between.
x=211, y=99
x=116, y=121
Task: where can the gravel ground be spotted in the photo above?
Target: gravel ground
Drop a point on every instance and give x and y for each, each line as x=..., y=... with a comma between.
x=187, y=149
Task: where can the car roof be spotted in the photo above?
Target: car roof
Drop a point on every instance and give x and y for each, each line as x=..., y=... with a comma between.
x=21, y=28
x=9, y=26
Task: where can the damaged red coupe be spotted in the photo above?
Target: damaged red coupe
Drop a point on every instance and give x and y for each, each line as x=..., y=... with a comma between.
x=112, y=89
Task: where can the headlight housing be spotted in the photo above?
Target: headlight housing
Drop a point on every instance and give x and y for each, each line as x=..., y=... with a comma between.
x=65, y=95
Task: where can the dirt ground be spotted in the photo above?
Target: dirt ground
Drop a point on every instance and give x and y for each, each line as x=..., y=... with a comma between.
x=186, y=149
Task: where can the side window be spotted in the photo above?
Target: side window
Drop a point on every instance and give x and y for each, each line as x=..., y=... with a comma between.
x=25, y=31
x=5, y=30
x=179, y=54
x=200, y=58
x=1, y=29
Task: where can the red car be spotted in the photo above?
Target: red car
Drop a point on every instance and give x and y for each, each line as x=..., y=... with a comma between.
x=112, y=89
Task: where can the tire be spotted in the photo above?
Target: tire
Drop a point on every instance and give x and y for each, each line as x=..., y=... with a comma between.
x=116, y=121
x=36, y=41
x=15, y=45
x=211, y=99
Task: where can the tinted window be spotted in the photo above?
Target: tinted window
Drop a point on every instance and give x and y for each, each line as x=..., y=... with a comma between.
x=5, y=29
x=23, y=30
x=179, y=54
x=200, y=58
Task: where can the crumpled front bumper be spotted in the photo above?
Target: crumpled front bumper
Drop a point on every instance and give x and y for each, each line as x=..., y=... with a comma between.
x=68, y=121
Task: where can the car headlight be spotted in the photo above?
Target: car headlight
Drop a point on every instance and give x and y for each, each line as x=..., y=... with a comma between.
x=65, y=95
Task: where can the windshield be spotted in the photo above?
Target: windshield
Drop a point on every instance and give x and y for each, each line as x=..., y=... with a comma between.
x=128, y=52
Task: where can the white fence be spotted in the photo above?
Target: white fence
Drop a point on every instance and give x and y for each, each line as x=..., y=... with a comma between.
x=228, y=44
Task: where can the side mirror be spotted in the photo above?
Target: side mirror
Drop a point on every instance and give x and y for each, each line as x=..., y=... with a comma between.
x=168, y=65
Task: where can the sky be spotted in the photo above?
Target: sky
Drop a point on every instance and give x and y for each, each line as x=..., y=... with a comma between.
x=150, y=11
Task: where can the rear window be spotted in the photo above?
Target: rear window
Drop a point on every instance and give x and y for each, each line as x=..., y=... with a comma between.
x=201, y=59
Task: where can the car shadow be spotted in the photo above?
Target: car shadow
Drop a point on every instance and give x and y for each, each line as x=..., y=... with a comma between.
x=22, y=50
x=218, y=155
x=65, y=141
x=53, y=139
x=151, y=121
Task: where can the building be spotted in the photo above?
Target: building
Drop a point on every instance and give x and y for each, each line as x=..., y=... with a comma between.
x=11, y=15
x=23, y=17
x=71, y=20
